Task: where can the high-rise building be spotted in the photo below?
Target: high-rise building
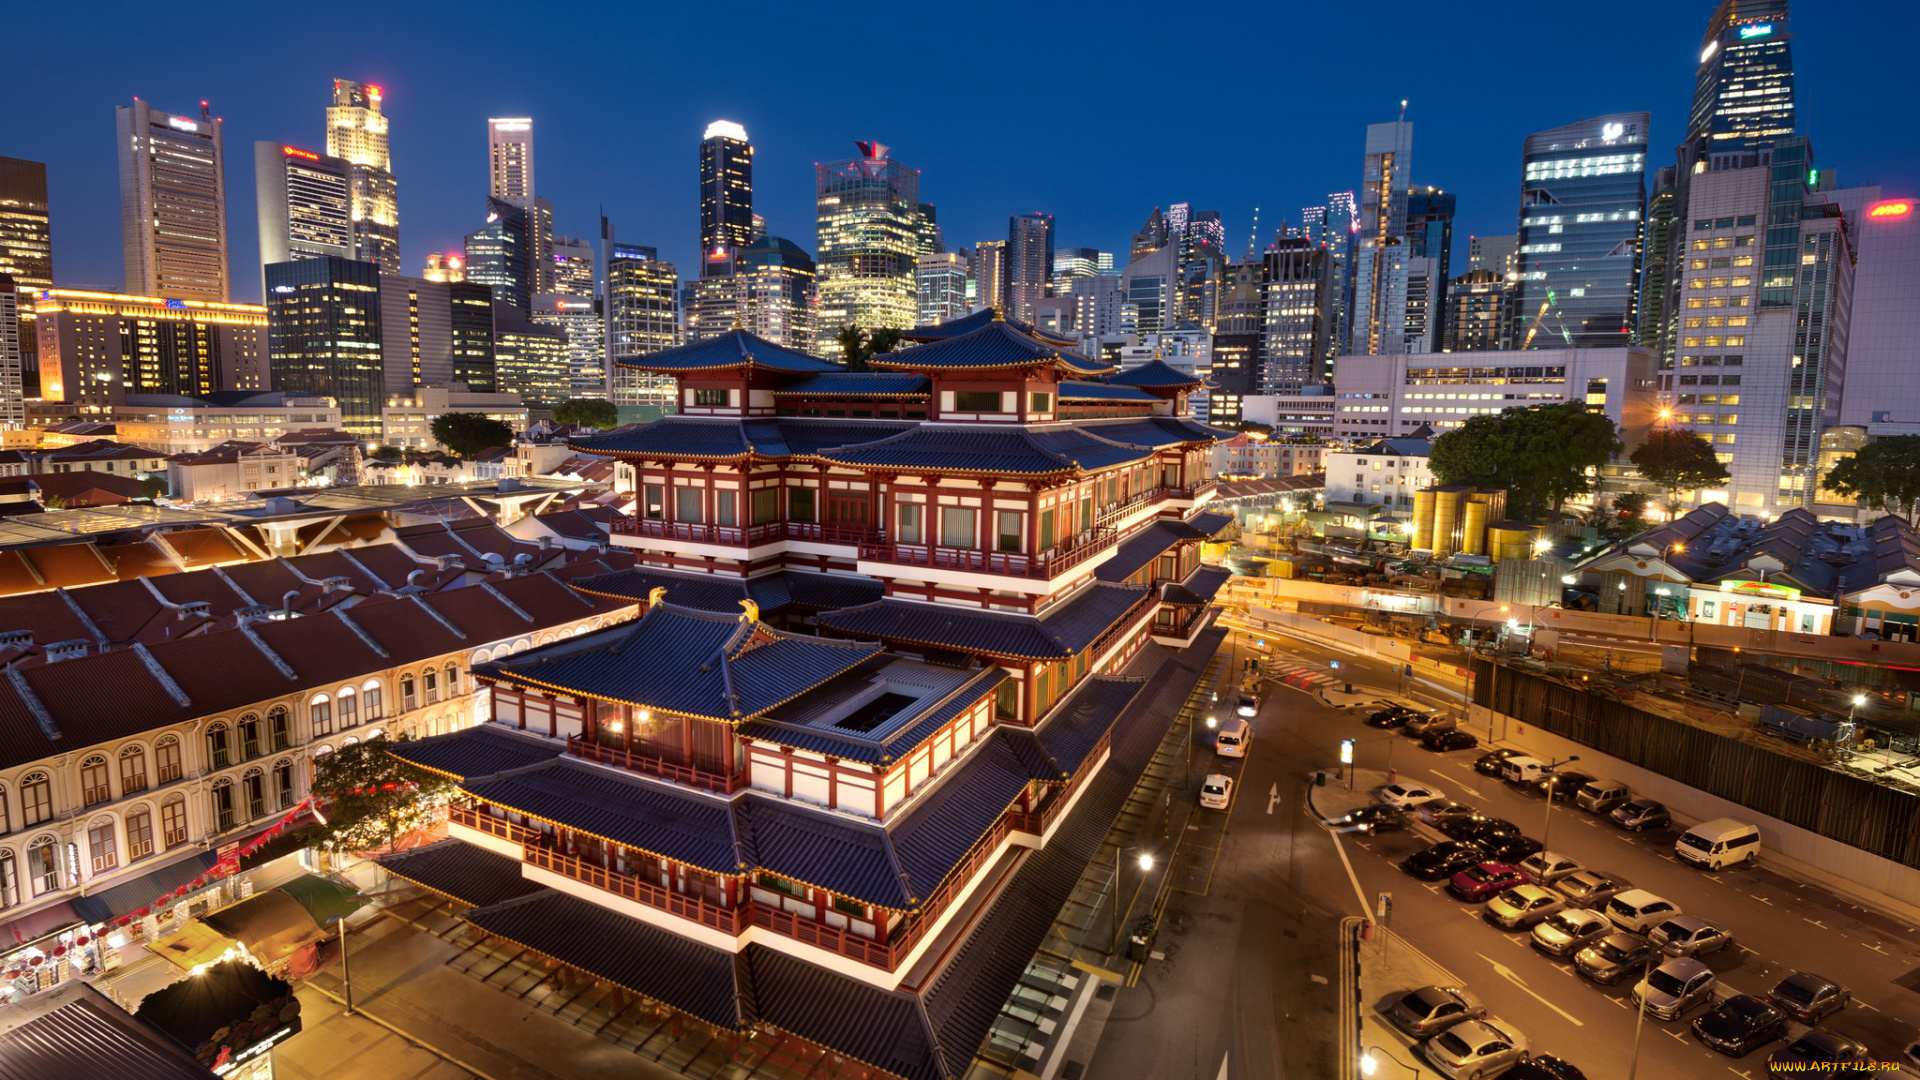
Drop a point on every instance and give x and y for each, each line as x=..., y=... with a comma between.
x=726, y=188
x=942, y=281
x=416, y=333
x=1657, y=251
x=357, y=134
x=1478, y=312
x=173, y=203
x=1493, y=253
x=451, y=266
x=1029, y=262
x=990, y=274
x=1201, y=266
x=1295, y=288
x=1151, y=285
x=777, y=281
x=573, y=267
x=26, y=232
x=1379, y=297
x=471, y=322
x=1429, y=237
x=1885, y=321
x=324, y=336
x=1334, y=227
x=1151, y=237
x=1236, y=367
x=928, y=239
x=710, y=304
x=96, y=348
x=868, y=214
x=1582, y=204
x=499, y=253
x=510, y=160
x=643, y=316
x=529, y=359
x=1069, y=263
x=13, y=401
x=1099, y=305
x=304, y=201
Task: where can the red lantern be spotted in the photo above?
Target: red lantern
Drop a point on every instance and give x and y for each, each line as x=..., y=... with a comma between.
x=82, y=940
x=37, y=961
x=143, y=913
x=181, y=891
x=59, y=950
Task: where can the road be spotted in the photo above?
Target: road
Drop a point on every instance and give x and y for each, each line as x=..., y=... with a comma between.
x=1240, y=978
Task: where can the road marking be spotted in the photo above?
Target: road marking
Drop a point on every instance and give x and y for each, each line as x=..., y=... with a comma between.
x=1762, y=899
x=1864, y=1005
x=1507, y=973
x=1223, y=1061
x=1746, y=950
x=1738, y=1072
x=1321, y=979
x=1273, y=797
x=1677, y=1037
x=1815, y=922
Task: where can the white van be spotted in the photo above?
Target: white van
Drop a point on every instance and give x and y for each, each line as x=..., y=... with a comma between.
x=1234, y=736
x=1523, y=770
x=1720, y=842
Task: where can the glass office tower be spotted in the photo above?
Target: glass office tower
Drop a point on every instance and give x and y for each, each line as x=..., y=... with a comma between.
x=868, y=213
x=1583, y=197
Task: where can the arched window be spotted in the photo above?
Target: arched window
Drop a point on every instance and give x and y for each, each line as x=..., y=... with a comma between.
x=223, y=804
x=219, y=746
x=349, y=741
x=347, y=707
x=166, y=760
x=283, y=784
x=101, y=846
x=322, y=751
x=482, y=656
x=375, y=733
x=9, y=879
x=453, y=680
x=139, y=833
x=279, y=730
x=320, y=712
x=254, y=783
x=173, y=822
x=249, y=737
x=133, y=769
x=36, y=799
x=93, y=781
x=409, y=701
x=43, y=865
x=370, y=698
x=6, y=823
x=430, y=682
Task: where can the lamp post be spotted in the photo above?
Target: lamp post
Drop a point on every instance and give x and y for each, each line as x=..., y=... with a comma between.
x=1858, y=700
x=1146, y=864
x=1653, y=632
x=1640, y=1014
x=1369, y=1064
x=1548, y=824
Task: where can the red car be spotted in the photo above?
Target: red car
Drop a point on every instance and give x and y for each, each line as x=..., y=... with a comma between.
x=1485, y=880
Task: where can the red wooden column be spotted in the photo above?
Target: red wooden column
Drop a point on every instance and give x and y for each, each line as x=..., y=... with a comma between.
x=626, y=730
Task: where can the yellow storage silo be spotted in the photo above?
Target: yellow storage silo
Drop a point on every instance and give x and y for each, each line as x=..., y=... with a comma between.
x=1446, y=517
x=1423, y=519
x=1509, y=540
x=1473, y=538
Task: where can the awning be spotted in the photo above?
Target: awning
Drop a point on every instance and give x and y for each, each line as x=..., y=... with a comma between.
x=272, y=925
x=136, y=893
x=286, y=843
x=192, y=945
x=35, y=925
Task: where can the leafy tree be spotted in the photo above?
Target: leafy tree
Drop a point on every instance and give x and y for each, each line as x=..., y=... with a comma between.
x=1542, y=456
x=386, y=453
x=1884, y=474
x=153, y=487
x=597, y=413
x=1678, y=461
x=884, y=340
x=466, y=434
x=1630, y=507
x=859, y=345
x=369, y=797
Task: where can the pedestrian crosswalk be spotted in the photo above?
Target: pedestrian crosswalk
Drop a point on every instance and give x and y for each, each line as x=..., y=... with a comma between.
x=1294, y=673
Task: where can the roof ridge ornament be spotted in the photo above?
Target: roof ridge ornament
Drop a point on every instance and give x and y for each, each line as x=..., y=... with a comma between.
x=998, y=315
x=750, y=612
x=656, y=596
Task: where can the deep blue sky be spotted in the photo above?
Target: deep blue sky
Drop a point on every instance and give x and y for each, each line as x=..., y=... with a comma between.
x=1096, y=113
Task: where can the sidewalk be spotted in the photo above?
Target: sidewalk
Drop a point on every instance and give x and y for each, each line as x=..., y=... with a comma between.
x=1387, y=966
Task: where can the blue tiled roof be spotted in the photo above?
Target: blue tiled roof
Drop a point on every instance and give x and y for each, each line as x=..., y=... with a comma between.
x=476, y=751
x=665, y=966
x=1155, y=372
x=999, y=451
x=723, y=592
x=859, y=384
x=884, y=1028
x=1059, y=633
x=731, y=349
x=661, y=818
x=1075, y=390
x=938, y=832
x=472, y=875
x=1076, y=725
x=719, y=438
x=828, y=851
x=967, y=324
x=828, y=591
x=697, y=663
x=1198, y=590
x=852, y=746
x=1155, y=431
x=1211, y=521
x=805, y=435
x=1140, y=549
x=996, y=344
x=1086, y=450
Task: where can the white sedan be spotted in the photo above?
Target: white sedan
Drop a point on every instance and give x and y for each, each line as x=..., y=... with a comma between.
x=1408, y=795
x=1216, y=791
x=1475, y=1049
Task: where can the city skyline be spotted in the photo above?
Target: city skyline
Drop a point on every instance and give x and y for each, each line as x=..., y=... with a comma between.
x=1096, y=193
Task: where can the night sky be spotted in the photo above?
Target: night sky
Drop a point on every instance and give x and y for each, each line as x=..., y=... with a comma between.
x=1096, y=114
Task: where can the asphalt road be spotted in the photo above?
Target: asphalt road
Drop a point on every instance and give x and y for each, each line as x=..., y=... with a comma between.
x=1239, y=983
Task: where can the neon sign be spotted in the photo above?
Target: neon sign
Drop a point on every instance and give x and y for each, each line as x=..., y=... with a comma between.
x=291, y=151
x=181, y=123
x=1898, y=208
x=1760, y=588
x=1749, y=32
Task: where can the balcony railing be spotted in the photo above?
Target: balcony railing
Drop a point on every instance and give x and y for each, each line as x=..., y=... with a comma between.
x=731, y=921
x=473, y=818
x=1111, y=514
x=1194, y=491
x=829, y=533
x=654, y=767
x=697, y=532
x=1126, y=625
x=1050, y=563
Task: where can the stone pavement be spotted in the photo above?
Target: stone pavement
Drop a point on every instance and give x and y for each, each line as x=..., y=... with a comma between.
x=1388, y=967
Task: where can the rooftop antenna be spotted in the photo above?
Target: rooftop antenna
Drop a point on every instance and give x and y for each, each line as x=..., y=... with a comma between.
x=1253, y=236
x=1403, y=109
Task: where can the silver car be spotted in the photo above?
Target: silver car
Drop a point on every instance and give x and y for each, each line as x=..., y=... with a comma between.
x=1433, y=1009
x=1547, y=867
x=1591, y=888
x=1674, y=987
x=1689, y=935
x=1475, y=1048
x=1568, y=931
x=1613, y=957
x=1522, y=906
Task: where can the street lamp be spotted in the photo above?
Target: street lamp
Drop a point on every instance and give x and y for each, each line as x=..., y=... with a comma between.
x=1146, y=864
x=1548, y=824
x=1858, y=700
x=1369, y=1064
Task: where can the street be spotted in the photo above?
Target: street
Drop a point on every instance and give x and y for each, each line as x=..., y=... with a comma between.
x=1245, y=959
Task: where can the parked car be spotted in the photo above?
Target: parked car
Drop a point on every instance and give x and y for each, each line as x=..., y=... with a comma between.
x=1478, y=882
x=1489, y=763
x=1601, y=796
x=1562, y=787
x=1440, y=810
x=1233, y=737
x=1430, y=724
x=1523, y=770
x=1408, y=794
x=1543, y=1067
x=1377, y=818
x=1638, y=910
x=1547, y=867
x=1639, y=815
x=1720, y=842
x=1249, y=706
x=1613, y=957
x=1677, y=985
x=1216, y=791
x=1740, y=1024
x=1471, y=828
x=1569, y=930
x=1809, y=998
x=1475, y=1048
x=1690, y=935
x=1430, y=1010
x=1522, y=906
x=1818, y=1045
x=1591, y=888
x=1509, y=847
x=1391, y=717
x=1441, y=742
x=1443, y=860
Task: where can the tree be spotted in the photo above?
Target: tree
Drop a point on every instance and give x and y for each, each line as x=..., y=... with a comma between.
x=386, y=452
x=1630, y=507
x=860, y=345
x=1542, y=456
x=370, y=798
x=596, y=413
x=1884, y=474
x=153, y=487
x=883, y=340
x=1678, y=461
x=466, y=434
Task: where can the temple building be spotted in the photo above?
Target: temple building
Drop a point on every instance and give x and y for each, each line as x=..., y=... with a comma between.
x=897, y=625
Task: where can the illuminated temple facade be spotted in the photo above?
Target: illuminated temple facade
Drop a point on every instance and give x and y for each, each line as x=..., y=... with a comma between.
x=904, y=632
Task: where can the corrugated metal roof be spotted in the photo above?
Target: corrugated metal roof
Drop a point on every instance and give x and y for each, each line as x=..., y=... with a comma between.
x=471, y=875
x=74, y=1030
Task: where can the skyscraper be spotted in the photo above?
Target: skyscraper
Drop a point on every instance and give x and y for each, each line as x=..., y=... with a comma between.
x=1294, y=294
x=510, y=160
x=573, y=267
x=323, y=335
x=1236, y=365
x=1657, y=251
x=1378, y=303
x=498, y=254
x=1151, y=237
x=416, y=333
x=13, y=405
x=1582, y=203
x=643, y=316
x=1478, y=312
x=357, y=134
x=1029, y=262
x=579, y=318
x=726, y=188
x=777, y=282
x=1069, y=263
x=1150, y=284
x=1493, y=253
x=990, y=274
x=304, y=202
x=173, y=203
x=1429, y=238
x=942, y=281
x=26, y=235
x=867, y=210
x=529, y=359
x=1334, y=227
x=95, y=348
